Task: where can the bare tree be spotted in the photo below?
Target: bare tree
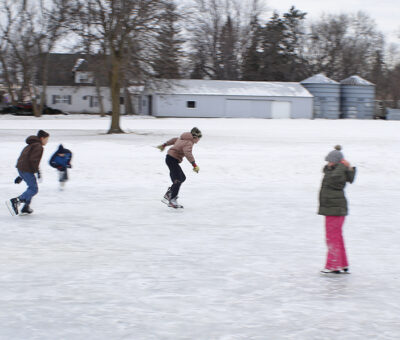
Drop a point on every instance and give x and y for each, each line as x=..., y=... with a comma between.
x=119, y=27
x=343, y=45
x=212, y=25
x=30, y=33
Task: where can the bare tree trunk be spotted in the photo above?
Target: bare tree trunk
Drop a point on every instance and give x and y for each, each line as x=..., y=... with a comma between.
x=100, y=99
x=115, y=94
x=129, y=109
x=7, y=79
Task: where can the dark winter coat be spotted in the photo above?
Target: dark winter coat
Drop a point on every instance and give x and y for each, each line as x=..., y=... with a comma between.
x=31, y=155
x=332, y=201
x=61, y=162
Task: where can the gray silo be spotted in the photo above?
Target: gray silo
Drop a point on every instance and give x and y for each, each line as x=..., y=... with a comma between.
x=326, y=94
x=357, y=98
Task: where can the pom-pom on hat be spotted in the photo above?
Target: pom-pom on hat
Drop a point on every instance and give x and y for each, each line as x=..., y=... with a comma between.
x=335, y=156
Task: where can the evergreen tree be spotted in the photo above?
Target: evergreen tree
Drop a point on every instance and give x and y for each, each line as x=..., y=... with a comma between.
x=228, y=53
x=273, y=62
x=168, y=45
x=252, y=56
x=296, y=68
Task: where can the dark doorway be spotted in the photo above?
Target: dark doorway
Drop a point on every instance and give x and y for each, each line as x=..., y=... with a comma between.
x=150, y=106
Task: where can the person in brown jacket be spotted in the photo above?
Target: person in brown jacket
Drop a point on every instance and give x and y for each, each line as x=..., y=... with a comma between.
x=181, y=147
x=28, y=166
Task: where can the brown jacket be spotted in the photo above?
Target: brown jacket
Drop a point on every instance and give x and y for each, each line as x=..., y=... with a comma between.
x=182, y=147
x=31, y=155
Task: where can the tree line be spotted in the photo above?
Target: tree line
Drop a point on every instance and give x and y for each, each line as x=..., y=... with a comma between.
x=140, y=40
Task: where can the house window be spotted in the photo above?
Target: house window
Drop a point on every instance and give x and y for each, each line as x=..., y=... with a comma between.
x=191, y=104
x=121, y=100
x=62, y=99
x=84, y=77
x=94, y=101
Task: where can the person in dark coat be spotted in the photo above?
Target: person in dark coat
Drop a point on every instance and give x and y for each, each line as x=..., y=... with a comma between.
x=61, y=160
x=28, y=165
x=333, y=205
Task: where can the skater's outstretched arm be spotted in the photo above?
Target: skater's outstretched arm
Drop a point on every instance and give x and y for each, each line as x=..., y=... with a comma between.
x=169, y=142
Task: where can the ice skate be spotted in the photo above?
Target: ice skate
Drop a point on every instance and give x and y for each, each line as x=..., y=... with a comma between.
x=13, y=205
x=26, y=210
x=173, y=203
x=167, y=196
x=335, y=271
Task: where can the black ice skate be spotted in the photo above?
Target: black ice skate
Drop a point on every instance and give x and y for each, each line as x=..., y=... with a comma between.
x=26, y=210
x=13, y=205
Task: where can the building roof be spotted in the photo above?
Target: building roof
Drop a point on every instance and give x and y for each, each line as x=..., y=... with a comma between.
x=62, y=68
x=319, y=78
x=356, y=80
x=232, y=88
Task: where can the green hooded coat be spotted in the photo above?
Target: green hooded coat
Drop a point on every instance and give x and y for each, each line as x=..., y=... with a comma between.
x=332, y=201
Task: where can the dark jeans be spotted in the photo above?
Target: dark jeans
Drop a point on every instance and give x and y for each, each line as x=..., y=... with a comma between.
x=63, y=175
x=32, y=190
x=176, y=174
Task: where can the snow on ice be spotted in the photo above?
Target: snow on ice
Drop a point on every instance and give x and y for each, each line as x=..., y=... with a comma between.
x=105, y=259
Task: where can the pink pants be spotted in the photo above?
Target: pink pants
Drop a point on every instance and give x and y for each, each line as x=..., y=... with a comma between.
x=336, y=258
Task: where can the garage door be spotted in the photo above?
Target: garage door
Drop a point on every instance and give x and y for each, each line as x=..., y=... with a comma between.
x=247, y=108
x=280, y=109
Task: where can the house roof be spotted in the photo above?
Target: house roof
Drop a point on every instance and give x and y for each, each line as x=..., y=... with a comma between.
x=319, y=78
x=356, y=80
x=62, y=68
x=232, y=88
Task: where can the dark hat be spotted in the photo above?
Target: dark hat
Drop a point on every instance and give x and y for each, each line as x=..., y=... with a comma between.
x=335, y=156
x=42, y=134
x=196, y=132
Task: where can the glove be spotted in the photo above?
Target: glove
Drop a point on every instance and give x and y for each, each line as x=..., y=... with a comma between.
x=196, y=169
x=161, y=147
x=39, y=176
x=18, y=180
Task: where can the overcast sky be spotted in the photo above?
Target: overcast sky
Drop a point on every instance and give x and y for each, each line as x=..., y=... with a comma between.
x=386, y=13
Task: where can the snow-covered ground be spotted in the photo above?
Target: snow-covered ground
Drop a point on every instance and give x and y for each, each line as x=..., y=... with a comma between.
x=105, y=259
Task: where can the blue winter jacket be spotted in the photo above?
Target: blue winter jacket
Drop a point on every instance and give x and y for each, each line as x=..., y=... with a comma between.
x=61, y=162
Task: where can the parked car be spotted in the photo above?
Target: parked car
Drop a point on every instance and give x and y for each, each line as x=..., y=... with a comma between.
x=26, y=109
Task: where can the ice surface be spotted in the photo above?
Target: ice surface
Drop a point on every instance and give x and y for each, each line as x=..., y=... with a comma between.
x=105, y=259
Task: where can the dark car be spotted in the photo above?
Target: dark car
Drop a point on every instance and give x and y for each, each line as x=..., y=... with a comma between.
x=26, y=109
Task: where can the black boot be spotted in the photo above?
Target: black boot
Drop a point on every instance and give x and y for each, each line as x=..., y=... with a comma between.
x=14, y=203
x=26, y=209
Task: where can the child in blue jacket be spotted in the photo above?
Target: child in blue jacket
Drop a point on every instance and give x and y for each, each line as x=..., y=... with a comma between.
x=61, y=160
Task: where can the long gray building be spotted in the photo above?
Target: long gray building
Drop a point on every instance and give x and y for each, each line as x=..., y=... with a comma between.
x=231, y=99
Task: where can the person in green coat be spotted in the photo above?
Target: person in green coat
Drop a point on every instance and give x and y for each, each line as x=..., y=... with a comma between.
x=333, y=205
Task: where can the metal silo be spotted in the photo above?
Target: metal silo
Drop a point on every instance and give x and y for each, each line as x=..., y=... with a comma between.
x=357, y=98
x=326, y=94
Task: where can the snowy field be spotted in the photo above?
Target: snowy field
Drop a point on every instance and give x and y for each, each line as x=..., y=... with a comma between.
x=105, y=259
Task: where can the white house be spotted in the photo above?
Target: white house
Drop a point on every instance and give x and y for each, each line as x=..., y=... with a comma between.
x=220, y=98
x=71, y=87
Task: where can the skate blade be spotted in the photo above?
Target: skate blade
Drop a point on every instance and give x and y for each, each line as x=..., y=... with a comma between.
x=10, y=208
x=334, y=274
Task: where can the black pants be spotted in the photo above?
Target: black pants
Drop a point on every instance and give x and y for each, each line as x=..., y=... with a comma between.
x=63, y=176
x=176, y=174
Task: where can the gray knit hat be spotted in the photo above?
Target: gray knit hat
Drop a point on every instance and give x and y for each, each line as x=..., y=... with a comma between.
x=335, y=156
